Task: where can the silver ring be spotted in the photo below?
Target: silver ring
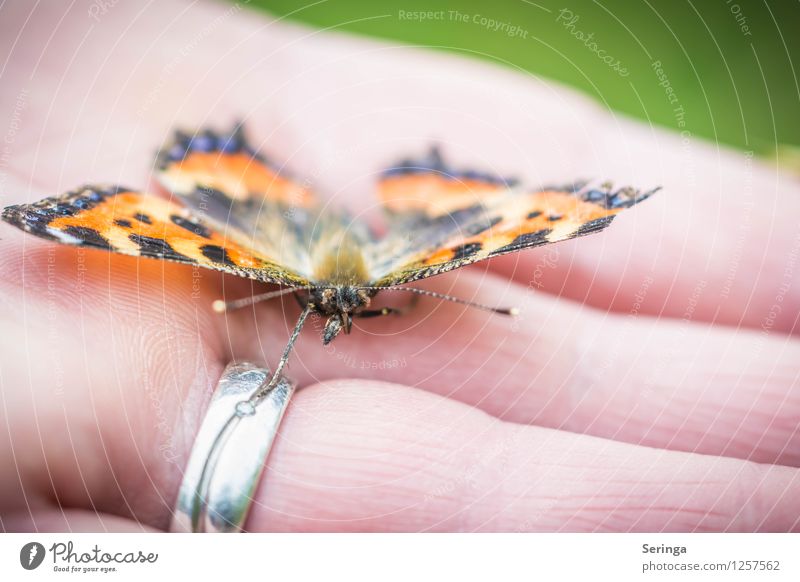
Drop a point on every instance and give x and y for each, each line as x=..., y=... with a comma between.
x=230, y=451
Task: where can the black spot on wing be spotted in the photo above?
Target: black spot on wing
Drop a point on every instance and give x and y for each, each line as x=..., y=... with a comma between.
x=466, y=250
x=156, y=247
x=595, y=225
x=217, y=254
x=35, y=217
x=191, y=226
x=123, y=223
x=24, y=217
x=534, y=214
x=555, y=217
x=88, y=236
x=524, y=241
x=143, y=218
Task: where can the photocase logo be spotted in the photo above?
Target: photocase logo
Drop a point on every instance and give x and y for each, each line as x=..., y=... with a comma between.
x=31, y=555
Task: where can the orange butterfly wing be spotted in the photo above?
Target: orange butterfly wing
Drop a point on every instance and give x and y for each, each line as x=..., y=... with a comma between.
x=224, y=167
x=459, y=218
x=222, y=178
x=124, y=221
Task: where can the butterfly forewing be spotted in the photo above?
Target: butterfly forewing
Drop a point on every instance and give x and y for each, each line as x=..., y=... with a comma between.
x=124, y=221
x=242, y=193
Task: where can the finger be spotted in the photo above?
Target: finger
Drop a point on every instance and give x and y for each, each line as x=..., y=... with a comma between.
x=369, y=456
x=728, y=226
x=366, y=456
x=645, y=381
x=89, y=357
x=71, y=520
x=658, y=382
x=120, y=433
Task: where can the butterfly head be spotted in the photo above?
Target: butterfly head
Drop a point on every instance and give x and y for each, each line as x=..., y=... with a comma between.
x=339, y=304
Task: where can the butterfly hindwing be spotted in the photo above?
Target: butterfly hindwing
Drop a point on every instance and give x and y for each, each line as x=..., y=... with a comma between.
x=459, y=218
x=216, y=171
x=427, y=188
x=124, y=221
x=223, y=179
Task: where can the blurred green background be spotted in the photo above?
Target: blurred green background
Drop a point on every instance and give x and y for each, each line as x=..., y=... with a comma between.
x=729, y=63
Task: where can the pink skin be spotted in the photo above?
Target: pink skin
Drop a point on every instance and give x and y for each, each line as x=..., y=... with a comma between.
x=595, y=410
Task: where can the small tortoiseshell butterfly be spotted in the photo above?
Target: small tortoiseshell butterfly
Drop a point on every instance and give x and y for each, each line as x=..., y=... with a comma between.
x=241, y=215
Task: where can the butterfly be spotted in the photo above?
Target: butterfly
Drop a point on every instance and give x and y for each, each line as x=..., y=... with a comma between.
x=236, y=211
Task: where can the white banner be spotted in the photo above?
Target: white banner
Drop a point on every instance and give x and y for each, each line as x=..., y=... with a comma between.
x=406, y=557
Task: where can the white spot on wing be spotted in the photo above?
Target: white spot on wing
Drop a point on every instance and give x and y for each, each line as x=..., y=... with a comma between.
x=63, y=237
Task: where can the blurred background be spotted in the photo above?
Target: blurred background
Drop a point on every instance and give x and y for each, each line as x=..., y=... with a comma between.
x=722, y=70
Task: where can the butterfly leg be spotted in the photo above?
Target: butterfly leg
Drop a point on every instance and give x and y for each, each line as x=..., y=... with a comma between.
x=257, y=396
x=389, y=310
x=379, y=312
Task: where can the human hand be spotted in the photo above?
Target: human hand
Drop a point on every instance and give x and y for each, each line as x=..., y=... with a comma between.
x=651, y=382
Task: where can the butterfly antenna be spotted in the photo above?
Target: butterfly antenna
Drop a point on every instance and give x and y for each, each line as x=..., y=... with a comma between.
x=276, y=376
x=221, y=306
x=499, y=310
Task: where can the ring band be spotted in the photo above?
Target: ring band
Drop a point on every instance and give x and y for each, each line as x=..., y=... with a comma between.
x=230, y=451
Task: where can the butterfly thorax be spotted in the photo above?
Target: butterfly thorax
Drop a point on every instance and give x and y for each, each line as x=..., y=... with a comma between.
x=339, y=273
x=337, y=258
